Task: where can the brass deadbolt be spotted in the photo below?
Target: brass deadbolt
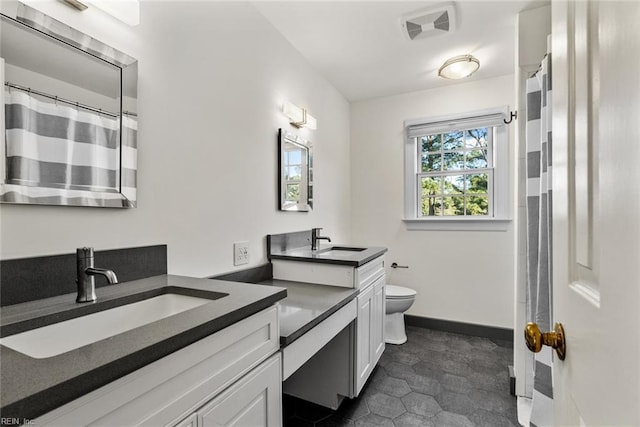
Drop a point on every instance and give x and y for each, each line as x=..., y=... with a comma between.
x=554, y=339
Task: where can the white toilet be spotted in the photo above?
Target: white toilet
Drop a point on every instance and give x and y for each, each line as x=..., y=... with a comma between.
x=398, y=300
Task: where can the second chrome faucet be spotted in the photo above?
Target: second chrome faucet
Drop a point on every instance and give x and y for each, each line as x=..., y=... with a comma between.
x=315, y=236
x=86, y=272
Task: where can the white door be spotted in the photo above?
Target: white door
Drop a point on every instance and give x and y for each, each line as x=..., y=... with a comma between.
x=596, y=216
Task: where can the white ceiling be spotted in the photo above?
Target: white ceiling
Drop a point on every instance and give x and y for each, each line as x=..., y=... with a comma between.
x=360, y=48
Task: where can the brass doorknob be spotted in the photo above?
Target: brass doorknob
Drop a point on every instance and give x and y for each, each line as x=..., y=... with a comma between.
x=554, y=339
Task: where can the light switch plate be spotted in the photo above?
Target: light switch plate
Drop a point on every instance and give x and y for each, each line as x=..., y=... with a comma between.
x=240, y=253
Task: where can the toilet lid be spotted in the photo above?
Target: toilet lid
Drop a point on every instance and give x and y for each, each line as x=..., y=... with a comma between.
x=399, y=292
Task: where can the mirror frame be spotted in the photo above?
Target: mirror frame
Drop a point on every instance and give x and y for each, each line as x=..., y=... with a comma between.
x=285, y=137
x=125, y=197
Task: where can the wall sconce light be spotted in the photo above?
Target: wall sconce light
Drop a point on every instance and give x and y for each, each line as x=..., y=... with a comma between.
x=77, y=4
x=299, y=117
x=459, y=67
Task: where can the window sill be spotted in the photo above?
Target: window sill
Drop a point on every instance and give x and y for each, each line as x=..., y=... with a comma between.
x=458, y=224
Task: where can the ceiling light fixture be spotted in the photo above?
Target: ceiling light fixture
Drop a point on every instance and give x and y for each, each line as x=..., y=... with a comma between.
x=459, y=67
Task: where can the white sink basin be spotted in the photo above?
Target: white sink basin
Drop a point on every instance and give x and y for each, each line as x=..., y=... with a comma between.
x=337, y=254
x=58, y=338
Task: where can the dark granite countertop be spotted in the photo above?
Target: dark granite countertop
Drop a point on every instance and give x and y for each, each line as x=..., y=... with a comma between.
x=306, y=305
x=325, y=255
x=31, y=387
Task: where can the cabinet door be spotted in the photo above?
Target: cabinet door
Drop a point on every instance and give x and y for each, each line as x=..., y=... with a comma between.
x=255, y=400
x=364, y=337
x=190, y=421
x=379, y=310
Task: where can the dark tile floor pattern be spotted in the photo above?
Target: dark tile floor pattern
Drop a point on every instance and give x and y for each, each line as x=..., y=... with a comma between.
x=435, y=379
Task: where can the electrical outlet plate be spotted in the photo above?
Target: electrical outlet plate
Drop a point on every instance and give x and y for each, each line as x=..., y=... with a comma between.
x=240, y=253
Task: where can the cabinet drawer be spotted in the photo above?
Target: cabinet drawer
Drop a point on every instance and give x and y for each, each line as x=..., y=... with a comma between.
x=314, y=272
x=176, y=385
x=329, y=274
x=368, y=273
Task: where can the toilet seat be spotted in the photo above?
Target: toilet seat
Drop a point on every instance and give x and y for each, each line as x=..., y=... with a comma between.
x=399, y=292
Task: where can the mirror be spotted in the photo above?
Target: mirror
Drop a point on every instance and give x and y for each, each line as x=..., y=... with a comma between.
x=70, y=115
x=296, y=173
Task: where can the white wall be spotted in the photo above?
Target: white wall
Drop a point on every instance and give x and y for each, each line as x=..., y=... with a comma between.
x=460, y=276
x=212, y=77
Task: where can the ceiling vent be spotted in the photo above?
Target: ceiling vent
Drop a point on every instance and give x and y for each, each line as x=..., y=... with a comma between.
x=424, y=23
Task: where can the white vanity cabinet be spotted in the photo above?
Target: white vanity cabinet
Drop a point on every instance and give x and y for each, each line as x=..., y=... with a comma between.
x=226, y=378
x=369, y=278
x=369, y=331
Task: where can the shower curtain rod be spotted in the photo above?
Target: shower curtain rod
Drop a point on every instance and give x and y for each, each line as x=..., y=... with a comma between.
x=535, y=72
x=58, y=99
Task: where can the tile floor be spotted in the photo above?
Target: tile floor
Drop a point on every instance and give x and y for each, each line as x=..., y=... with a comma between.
x=435, y=379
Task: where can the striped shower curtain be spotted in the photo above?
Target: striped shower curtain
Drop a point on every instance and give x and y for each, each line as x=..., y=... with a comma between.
x=539, y=245
x=129, y=157
x=49, y=145
x=56, y=153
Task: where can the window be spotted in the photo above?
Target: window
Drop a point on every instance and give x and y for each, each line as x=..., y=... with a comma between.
x=457, y=172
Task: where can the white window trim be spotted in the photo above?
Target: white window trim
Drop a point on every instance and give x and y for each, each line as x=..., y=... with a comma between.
x=501, y=219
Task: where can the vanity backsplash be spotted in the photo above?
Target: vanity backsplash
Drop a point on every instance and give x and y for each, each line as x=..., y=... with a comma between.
x=29, y=279
x=277, y=243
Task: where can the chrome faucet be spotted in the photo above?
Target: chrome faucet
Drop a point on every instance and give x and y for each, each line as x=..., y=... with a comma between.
x=86, y=272
x=315, y=236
